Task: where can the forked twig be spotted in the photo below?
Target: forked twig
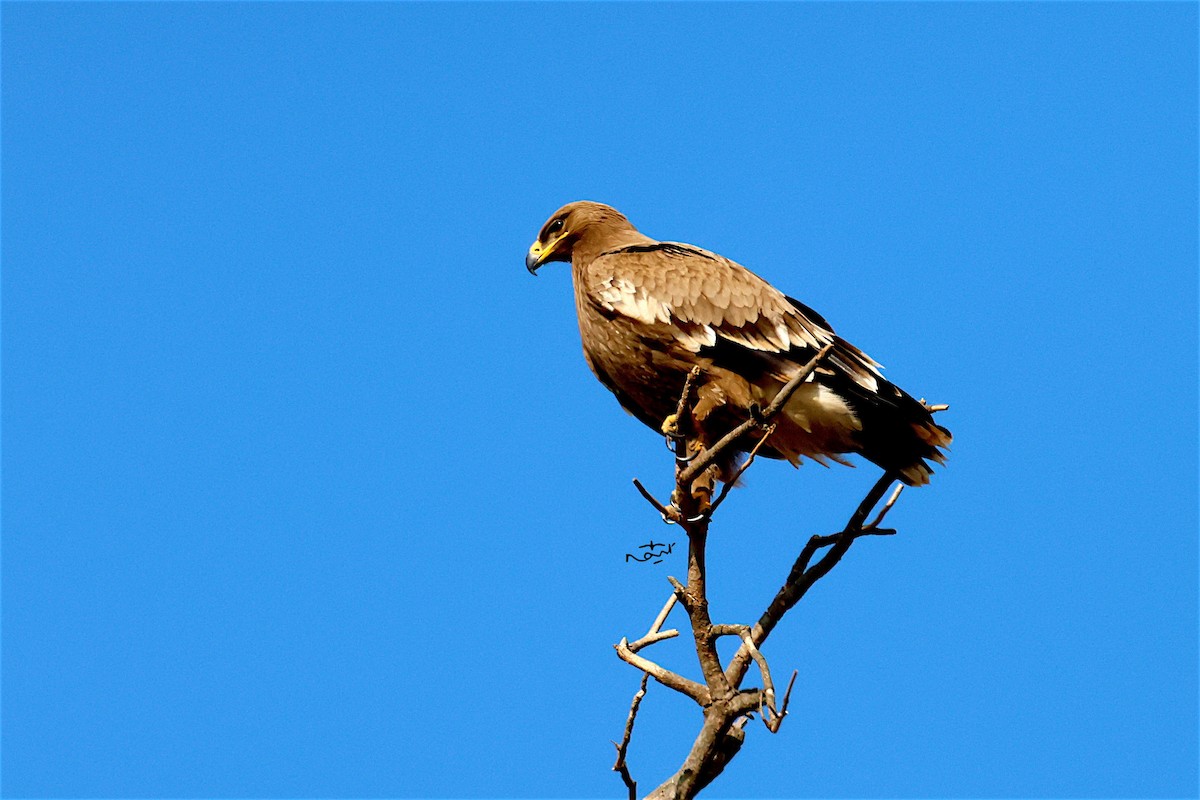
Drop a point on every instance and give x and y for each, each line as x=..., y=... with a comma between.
x=623, y=748
x=768, y=690
x=802, y=577
x=886, y=508
x=652, y=638
x=656, y=634
x=773, y=725
x=697, y=691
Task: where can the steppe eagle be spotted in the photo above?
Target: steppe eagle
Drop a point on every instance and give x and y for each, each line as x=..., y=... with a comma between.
x=649, y=311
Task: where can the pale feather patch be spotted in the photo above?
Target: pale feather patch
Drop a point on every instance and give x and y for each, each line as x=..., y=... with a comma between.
x=622, y=296
x=816, y=406
x=781, y=333
x=696, y=336
x=918, y=474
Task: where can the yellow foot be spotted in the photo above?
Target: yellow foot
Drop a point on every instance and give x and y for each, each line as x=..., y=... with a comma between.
x=670, y=426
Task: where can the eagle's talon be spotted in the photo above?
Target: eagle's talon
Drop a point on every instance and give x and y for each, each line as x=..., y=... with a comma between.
x=670, y=427
x=674, y=516
x=675, y=446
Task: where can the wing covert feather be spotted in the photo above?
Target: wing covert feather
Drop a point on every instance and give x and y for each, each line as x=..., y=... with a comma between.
x=701, y=296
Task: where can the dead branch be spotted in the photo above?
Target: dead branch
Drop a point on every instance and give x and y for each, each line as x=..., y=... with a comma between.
x=671, y=680
x=656, y=634
x=725, y=705
x=874, y=524
x=802, y=577
x=768, y=690
x=678, y=427
x=670, y=514
x=623, y=748
x=773, y=725
x=771, y=716
x=695, y=602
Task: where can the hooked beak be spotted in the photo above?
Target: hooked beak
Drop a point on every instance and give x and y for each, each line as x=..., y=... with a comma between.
x=541, y=254
x=533, y=259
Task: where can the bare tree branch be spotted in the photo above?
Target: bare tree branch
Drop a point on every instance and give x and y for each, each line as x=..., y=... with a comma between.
x=671, y=680
x=678, y=427
x=661, y=619
x=623, y=748
x=873, y=525
x=768, y=690
x=656, y=634
x=802, y=577
x=726, y=706
x=670, y=514
x=696, y=603
x=773, y=725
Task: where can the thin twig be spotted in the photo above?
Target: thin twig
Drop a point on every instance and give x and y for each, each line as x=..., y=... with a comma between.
x=685, y=399
x=656, y=626
x=768, y=691
x=656, y=634
x=623, y=747
x=653, y=638
x=886, y=508
x=680, y=592
x=729, y=630
x=669, y=515
x=833, y=538
x=773, y=725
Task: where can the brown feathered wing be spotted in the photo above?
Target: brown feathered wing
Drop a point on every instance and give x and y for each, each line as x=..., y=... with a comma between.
x=694, y=302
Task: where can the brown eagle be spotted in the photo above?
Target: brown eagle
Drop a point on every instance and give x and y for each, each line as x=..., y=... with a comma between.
x=649, y=311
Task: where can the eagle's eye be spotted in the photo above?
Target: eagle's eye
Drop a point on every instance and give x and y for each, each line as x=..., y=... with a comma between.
x=554, y=227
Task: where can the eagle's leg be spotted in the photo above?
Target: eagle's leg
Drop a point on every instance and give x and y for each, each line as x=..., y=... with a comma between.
x=704, y=485
x=695, y=500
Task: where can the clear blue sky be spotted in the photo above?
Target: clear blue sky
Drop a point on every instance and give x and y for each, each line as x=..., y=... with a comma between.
x=307, y=491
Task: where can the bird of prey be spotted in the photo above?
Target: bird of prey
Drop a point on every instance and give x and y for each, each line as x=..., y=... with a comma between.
x=650, y=311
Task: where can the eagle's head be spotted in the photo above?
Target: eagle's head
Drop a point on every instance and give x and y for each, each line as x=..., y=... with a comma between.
x=580, y=222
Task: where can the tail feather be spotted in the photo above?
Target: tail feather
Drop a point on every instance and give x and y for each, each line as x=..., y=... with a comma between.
x=898, y=432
